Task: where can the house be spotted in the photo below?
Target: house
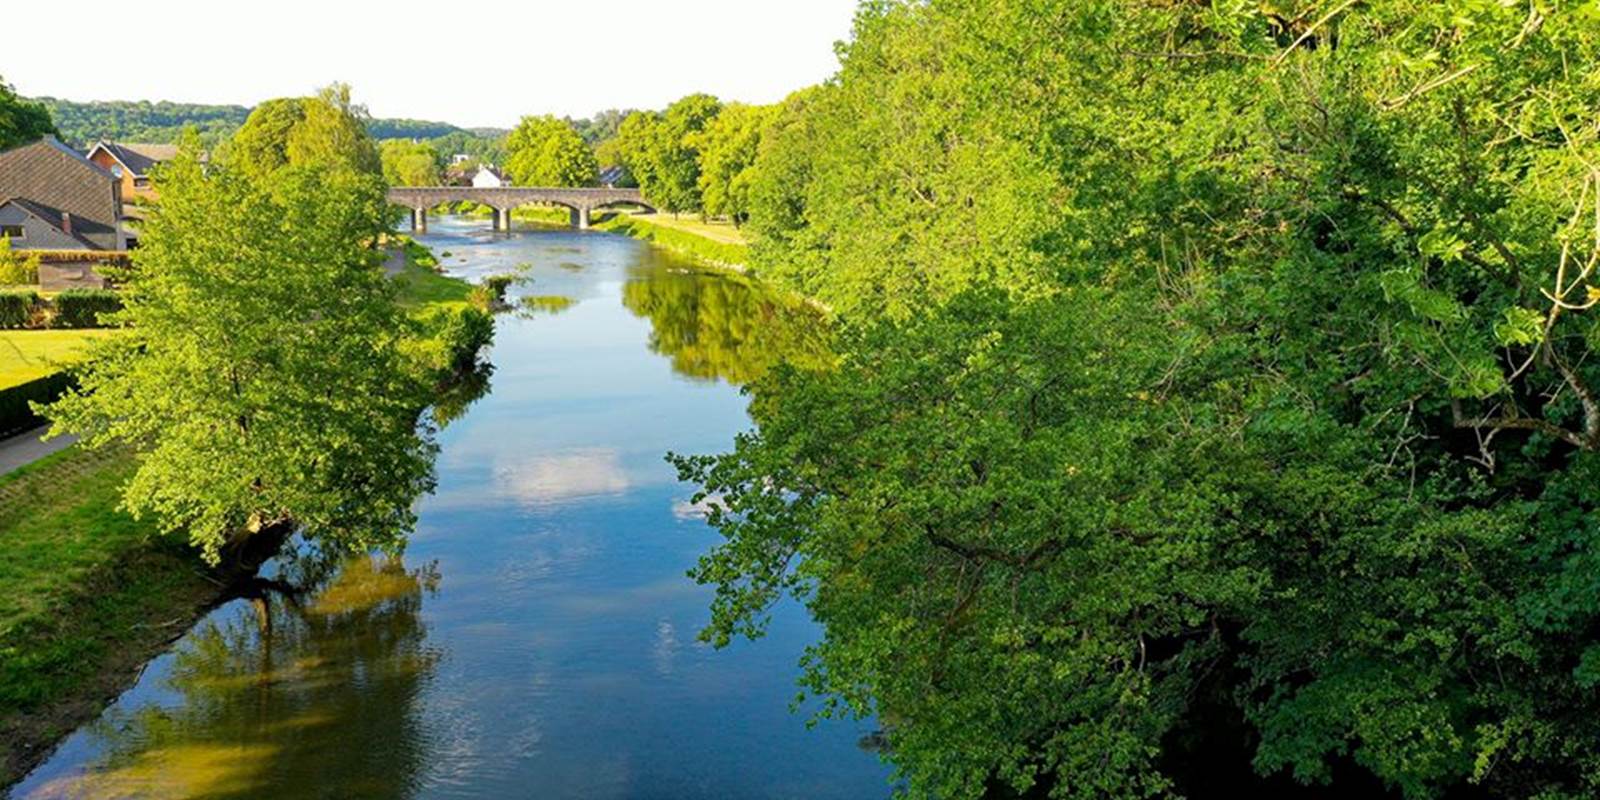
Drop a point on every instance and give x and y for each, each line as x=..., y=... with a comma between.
x=459, y=158
x=132, y=164
x=52, y=198
x=611, y=176
x=488, y=177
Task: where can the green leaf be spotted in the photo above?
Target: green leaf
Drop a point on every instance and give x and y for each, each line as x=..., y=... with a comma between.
x=1519, y=326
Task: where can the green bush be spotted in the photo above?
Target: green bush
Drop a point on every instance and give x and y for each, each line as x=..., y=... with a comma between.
x=16, y=269
x=16, y=413
x=16, y=308
x=491, y=294
x=82, y=308
x=449, y=339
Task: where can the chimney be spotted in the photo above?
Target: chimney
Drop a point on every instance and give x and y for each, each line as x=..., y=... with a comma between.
x=66, y=222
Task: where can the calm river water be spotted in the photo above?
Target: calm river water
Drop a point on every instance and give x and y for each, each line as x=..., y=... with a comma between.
x=537, y=638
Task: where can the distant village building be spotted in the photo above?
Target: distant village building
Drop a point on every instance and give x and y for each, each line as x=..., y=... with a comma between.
x=52, y=198
x=460, y=158
x=132, y=164
x=488, y=177
x=611, y=176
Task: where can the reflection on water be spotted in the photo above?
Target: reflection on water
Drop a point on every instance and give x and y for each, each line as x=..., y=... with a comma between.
x=538, y=637
x=310, y=677
x=723, y=326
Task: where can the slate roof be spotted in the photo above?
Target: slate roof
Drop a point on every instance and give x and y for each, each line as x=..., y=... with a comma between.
x=52, y=175
x=48, y=216
x=137, y=158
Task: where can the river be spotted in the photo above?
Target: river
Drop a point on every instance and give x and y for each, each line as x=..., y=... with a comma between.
x=537, y=636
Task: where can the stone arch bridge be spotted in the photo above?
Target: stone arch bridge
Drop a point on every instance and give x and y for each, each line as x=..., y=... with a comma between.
x=580, y=202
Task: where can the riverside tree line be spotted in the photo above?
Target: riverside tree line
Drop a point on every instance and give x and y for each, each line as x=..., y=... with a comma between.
x=1215, y=403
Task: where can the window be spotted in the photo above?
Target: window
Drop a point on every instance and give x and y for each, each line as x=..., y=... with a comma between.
x=11, y=232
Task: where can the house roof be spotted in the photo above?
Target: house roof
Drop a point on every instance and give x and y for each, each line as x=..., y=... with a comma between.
x=48, y=216
x=611, y=174
x=53, y=176
x=57, y=145
x=136, y=157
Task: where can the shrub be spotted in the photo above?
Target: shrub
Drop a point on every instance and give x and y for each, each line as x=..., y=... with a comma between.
x=16, y=413
x=16, y=270
x=419, y=254
x=82, y=308
x=16, y=308
x=491, y=294
x=448, y=341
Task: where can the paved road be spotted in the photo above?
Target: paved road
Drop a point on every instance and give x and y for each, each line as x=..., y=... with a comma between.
x=25, y=448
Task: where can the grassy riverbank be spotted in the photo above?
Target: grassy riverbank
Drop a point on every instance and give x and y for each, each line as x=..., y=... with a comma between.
x=88, y=594
x=716, y=244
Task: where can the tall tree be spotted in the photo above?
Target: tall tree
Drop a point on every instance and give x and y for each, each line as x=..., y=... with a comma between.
x=260, y=374
x=728, y=147
x=546, y=151
x=21, y=121
x=660, y=150
x=407, y=163
x=327, y=131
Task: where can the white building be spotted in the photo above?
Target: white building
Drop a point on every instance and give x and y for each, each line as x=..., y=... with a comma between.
x=488, y=178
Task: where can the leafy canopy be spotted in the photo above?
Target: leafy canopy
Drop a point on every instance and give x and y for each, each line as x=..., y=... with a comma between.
x=21, y=121
x=546, y=151
x=1215, y=396
x=260, y=376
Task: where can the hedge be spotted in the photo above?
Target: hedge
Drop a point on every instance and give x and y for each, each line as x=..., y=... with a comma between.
x=81, y=308
x=16, y=308
x=15, y=413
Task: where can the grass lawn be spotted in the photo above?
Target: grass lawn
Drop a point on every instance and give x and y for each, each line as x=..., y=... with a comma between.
x=25, y=355
x=716, y=231
x=90, y=594
x=421, y=286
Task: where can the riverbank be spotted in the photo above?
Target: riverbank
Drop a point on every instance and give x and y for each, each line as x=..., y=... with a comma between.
x=716, y=245
x=90, y=594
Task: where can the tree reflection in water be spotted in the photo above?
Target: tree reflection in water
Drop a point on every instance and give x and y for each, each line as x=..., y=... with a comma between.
x=725, y=326
x=309, y=682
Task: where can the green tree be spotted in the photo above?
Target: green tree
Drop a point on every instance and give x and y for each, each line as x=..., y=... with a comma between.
x=21, y=121
x=659, y=149
x=260, y=374
x=407, y=163
x=1215, y=396
x=546, y=151
x=325, y=131
x=728, y=148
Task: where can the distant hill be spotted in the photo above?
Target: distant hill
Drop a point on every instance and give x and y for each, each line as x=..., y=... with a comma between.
x=82, y=124
x=409, y=129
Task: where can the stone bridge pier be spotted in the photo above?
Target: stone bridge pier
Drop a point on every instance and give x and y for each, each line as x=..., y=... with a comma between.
x=581, y=203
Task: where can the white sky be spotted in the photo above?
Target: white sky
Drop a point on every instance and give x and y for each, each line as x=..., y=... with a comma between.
x=468, y=63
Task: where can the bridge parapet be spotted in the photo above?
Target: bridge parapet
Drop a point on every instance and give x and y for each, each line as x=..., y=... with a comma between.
x=582, y=201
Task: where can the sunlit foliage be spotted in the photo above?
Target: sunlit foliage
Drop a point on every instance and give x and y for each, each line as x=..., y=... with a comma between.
x=1235, y=408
